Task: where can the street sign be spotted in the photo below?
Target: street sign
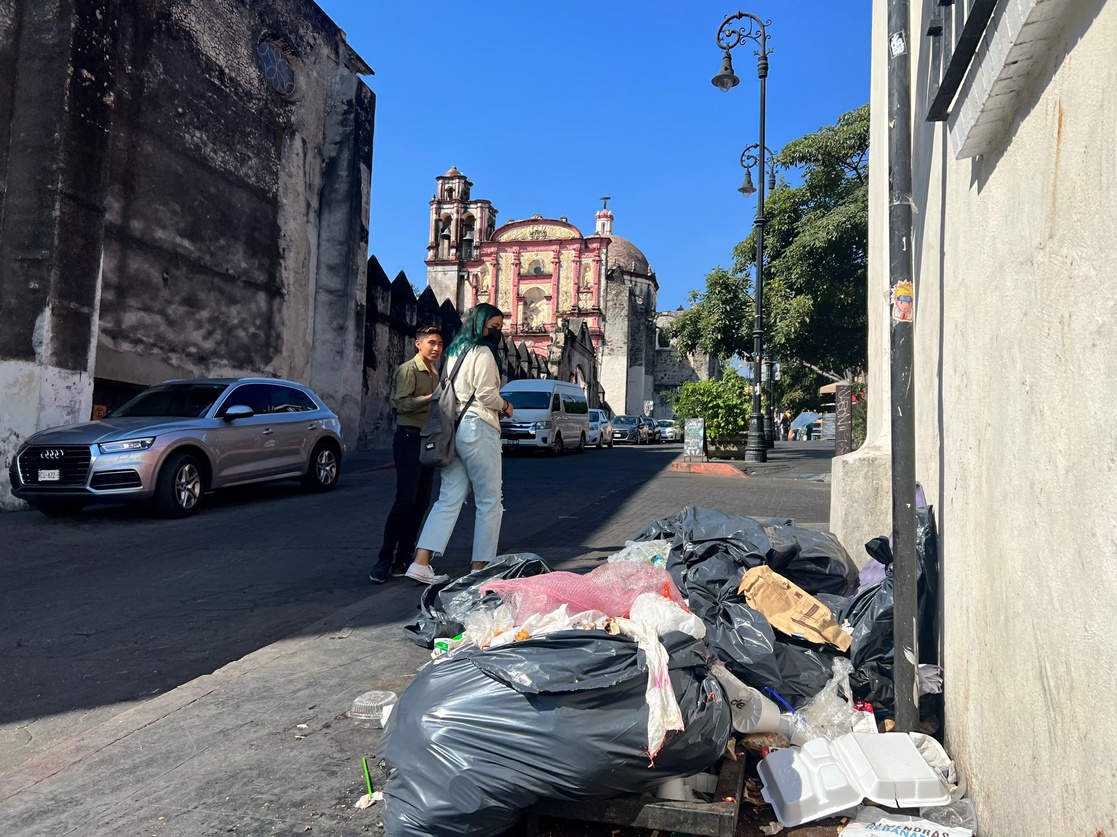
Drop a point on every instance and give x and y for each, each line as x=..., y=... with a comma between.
x=694, y=439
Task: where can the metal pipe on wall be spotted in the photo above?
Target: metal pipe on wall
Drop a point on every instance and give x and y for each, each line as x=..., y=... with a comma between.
x=902, y=320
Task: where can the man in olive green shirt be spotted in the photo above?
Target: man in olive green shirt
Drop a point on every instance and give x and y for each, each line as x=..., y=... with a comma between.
x=412, y=386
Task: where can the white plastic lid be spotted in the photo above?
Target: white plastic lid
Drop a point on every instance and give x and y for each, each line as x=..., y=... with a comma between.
x=822, y=777
x=890, y=770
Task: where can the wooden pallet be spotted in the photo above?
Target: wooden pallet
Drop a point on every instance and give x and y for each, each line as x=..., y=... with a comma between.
x=710, y=819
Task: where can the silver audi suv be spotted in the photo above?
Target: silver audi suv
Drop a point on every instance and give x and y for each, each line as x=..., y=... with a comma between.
x=177, y=440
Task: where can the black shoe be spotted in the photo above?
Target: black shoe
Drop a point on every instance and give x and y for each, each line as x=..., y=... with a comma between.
x=378, y=575
x=399, y=571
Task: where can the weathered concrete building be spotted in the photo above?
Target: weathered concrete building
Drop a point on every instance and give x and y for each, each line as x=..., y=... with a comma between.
x=184, y=190
x=1013, y=335
x=674, y=368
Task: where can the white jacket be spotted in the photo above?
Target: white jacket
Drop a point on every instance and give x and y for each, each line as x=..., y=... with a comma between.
x=479, y=376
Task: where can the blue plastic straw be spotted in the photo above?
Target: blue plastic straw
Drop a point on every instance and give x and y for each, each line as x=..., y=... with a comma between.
x=775, y=694
x=790, y=708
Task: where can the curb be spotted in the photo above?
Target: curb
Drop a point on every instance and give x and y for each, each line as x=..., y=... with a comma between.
x=715, y=469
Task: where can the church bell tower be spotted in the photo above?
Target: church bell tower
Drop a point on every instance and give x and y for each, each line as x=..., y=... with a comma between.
x=458, y=226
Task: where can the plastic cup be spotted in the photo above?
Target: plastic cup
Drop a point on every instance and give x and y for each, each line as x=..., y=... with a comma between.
x=766, y=714
x=675, y=789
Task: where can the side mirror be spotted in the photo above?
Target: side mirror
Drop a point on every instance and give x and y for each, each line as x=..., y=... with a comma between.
x=238, y=411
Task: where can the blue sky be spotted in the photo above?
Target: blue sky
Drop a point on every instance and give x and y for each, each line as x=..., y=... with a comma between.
x=546, y=106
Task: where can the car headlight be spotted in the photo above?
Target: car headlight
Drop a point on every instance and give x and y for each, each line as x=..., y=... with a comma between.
x=542, y=425
x=127, y=445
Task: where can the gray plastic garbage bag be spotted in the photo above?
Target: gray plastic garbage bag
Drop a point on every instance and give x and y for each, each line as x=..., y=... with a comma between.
x=480, y=735
x=443, y=607
x=814, y=561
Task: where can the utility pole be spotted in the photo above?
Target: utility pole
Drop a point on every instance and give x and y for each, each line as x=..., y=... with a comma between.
x=901, y=351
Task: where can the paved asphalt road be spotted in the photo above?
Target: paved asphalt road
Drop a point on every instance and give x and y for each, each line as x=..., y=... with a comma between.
x=100, y=612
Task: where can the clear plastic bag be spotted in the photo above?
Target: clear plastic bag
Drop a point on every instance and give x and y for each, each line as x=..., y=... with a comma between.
x=960, y=814
x=830, y=712
x=644, y=552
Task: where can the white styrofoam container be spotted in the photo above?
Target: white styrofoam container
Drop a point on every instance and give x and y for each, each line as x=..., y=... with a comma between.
x=823, y=777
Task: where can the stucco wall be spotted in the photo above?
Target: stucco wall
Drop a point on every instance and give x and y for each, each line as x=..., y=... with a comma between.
x=1014, y=335
x=214, y=252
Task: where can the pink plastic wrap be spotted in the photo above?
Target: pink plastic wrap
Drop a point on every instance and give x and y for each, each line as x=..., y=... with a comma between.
x=610, y=589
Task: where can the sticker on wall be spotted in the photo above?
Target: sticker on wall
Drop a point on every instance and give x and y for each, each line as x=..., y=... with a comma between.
x=903, y=302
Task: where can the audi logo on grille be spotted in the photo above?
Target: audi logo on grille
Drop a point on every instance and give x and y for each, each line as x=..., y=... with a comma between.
x=52, y=453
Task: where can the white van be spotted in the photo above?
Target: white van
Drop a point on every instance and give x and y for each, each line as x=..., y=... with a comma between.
x=545, y=414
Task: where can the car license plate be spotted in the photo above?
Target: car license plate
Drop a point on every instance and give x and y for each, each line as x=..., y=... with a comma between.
x=51, y=475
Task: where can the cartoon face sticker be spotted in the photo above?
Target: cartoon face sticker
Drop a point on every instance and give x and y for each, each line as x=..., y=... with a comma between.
x=903, y=302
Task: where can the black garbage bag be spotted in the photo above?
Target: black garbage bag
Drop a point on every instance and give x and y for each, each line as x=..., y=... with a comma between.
x=480, y=735
x=742, y=638
x=710, y=553
x=696, y=533
x=442, y=607
x=814, y=561
x=870, y=616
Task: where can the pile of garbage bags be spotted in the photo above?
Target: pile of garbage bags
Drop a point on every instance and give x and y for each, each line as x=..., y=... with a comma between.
x=573, y=687
x=565, y=686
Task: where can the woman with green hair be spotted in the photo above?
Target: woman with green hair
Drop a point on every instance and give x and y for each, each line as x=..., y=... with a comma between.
x=477, y=463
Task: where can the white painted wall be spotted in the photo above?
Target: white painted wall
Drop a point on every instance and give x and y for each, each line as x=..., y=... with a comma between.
x=1015, y=331
x=36, y=397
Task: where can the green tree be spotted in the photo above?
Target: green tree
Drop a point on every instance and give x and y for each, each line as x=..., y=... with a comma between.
x=725, y=404
x=815, y=263
x=719, y=319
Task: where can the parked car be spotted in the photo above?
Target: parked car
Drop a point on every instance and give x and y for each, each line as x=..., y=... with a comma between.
x=601, y=429
x=668, y=430
x=545, y=414
x=655, y=435
x=632, y=429
x=177, y=440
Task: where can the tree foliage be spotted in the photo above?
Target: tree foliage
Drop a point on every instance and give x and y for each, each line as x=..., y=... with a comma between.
x=815, y=262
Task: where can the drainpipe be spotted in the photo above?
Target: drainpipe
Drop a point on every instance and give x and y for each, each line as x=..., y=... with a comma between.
x=901, y=351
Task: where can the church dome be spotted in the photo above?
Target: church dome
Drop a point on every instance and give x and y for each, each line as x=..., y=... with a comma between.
x=627, y=256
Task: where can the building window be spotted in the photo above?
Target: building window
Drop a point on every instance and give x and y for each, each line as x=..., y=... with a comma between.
x=275, y=64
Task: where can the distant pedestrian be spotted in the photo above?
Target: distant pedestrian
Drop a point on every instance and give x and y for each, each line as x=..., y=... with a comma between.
x=412, y=386
x=809, y=430
x=787, y=432
x=477, y=459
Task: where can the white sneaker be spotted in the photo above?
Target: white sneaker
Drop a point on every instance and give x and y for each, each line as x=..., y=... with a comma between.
x=424, y=574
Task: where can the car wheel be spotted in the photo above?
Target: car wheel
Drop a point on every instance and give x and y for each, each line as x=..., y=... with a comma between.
x=601, y=441
x=323, y=471
x=610, y=446
x=60, y=508
x=179, y=487
x=556, y=444
x=581, y=444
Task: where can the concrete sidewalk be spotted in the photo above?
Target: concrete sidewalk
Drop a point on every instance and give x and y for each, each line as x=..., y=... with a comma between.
x=262, y=746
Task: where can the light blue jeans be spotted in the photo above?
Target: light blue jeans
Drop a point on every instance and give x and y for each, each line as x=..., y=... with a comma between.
x=476, y=465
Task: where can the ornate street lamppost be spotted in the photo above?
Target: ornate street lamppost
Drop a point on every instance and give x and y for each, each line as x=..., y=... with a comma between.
x=732, y=34
x=750, y=158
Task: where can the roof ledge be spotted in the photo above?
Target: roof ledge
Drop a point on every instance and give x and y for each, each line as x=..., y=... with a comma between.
x=1016, y=39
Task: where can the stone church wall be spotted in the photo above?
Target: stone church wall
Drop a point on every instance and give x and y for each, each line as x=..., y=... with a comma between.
x=392, y=316
x=230, y=205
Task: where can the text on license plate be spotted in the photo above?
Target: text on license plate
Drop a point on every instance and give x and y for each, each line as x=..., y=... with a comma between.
x=51, y=475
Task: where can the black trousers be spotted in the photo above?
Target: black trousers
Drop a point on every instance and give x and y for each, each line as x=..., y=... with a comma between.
x=413, y=498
